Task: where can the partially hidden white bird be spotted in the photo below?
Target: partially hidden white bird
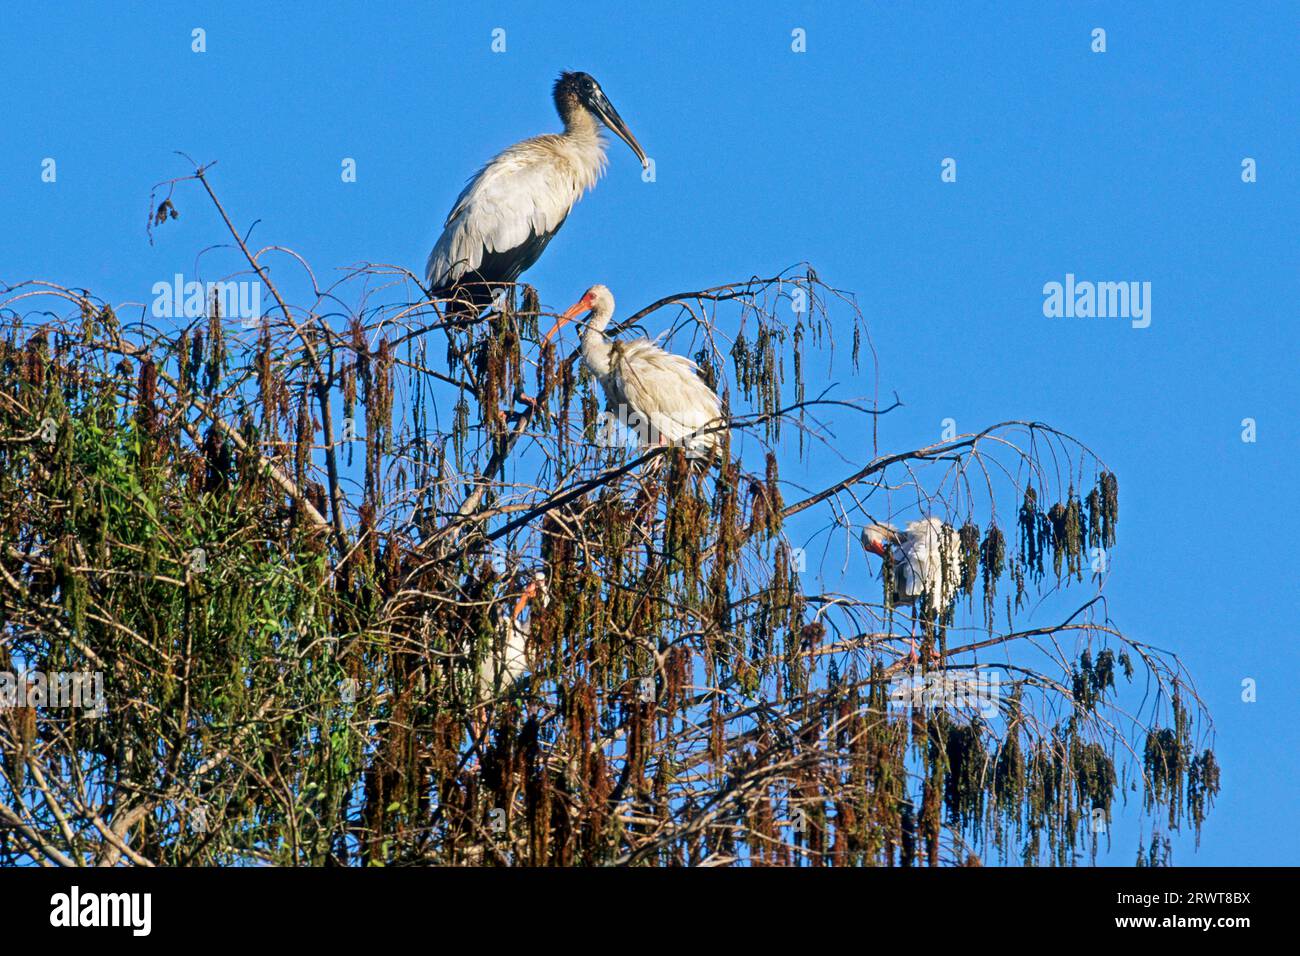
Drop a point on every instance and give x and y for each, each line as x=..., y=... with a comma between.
x=925, y=560
x=506, y=667
x=515, y=205
x=656, y=394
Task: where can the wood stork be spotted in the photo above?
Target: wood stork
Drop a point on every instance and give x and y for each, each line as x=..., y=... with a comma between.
x=655, y=393
x=516, y=204
x=925, y=561
x=506, y=667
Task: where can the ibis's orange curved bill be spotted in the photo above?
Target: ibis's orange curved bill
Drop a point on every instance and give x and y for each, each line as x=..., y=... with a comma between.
x=524, y=598
x=567, y=316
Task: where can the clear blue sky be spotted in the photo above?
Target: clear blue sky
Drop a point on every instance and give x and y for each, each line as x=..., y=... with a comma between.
x=1117, y=166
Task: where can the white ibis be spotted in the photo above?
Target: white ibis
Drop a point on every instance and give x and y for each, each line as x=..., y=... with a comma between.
x=516, y=204
x=656, y=393
x=505, y=668
x=925, y=560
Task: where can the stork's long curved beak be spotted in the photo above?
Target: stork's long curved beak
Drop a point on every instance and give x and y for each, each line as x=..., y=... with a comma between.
x=609, y=116
x=567, y=316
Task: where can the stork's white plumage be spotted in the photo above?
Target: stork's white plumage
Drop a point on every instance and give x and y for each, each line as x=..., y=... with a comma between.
x=656, y=393
x=515, y=205
x=925, y=560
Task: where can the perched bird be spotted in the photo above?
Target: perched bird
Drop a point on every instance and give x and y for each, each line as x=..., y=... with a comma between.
x=925, y=561
x=516, y=204
x=506, y=667
x=655, y=393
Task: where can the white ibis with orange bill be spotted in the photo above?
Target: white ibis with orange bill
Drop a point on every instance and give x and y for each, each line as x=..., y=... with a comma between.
x=507, y=666
x=659, y=395
x=925, y=561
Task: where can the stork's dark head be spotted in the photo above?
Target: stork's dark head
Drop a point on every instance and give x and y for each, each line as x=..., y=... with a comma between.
x=580, y=91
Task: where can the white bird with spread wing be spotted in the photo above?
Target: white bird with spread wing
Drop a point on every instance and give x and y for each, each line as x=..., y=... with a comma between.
x=659, y=395
x=924, y=560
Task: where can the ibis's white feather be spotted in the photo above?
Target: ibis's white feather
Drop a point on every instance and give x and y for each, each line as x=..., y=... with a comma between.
x=503, y=668
x=660, y=394
x=508, y=662
x=926, y=560
x=666, y=390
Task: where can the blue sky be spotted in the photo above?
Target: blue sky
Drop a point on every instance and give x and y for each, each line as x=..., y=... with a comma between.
x=1123, y=165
